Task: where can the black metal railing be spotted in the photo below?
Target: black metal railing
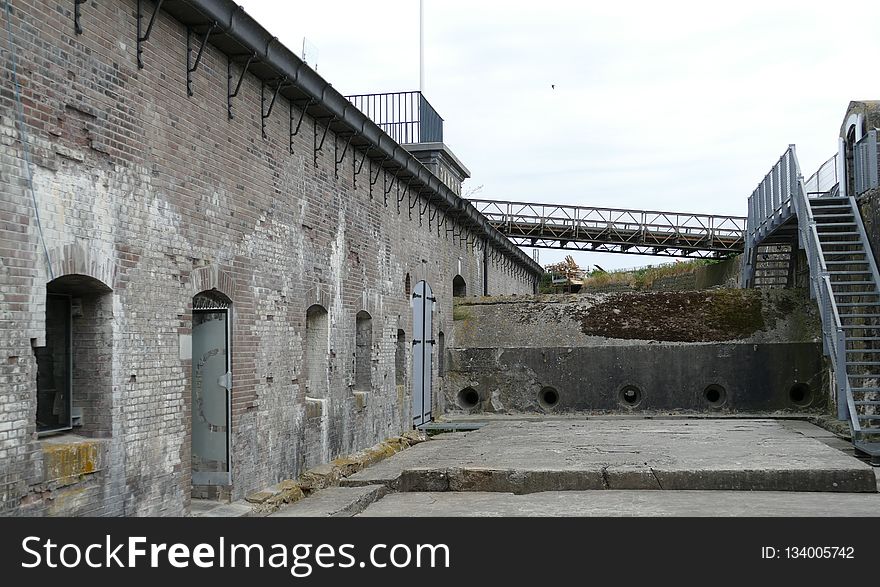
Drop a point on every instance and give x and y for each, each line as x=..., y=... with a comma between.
x=407, y=117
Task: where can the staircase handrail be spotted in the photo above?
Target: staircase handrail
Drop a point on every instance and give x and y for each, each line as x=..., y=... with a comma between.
x=834, y=336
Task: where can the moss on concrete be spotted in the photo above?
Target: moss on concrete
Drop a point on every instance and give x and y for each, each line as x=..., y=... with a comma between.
x=460, y=312
x=69, y=459
x=696, y=316
x=329, y=474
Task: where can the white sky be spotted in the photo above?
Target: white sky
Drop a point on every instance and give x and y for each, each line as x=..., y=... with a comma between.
x=680, y=106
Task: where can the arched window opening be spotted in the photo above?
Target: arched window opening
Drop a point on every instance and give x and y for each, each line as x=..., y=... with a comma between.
x=441, y=354
x=400, y=359
x=459, y=287
x=363, y=351
x=316, y=352
x=74, y=368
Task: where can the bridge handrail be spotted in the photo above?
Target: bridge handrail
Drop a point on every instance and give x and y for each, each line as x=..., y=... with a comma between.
x=483, y=206
x=573, y=222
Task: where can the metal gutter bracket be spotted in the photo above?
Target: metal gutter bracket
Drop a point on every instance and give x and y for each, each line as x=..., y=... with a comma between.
x=192, y=66
x=145, y=36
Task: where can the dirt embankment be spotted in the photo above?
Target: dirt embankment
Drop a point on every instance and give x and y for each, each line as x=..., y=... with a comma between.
x=697, y=316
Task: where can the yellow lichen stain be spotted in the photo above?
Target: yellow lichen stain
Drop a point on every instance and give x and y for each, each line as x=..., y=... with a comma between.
x=69, y=462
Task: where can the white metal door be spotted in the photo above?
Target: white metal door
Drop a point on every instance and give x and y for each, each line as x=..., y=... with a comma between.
x=423, y=350
x=210, y=397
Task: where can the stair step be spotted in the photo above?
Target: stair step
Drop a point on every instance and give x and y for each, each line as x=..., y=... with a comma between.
x=864, y=389
x=856, y=304
x=837, y=243
x=863, y=402
x=839, y=234
x=850, y=294
x=845, y=214
x=863, y=363
x=833, y=283
x=827, y=224
x=865, y=376
x=844, y=315
x=869, y=417
x=850, y=272
x=846, y=262
x=870, y=430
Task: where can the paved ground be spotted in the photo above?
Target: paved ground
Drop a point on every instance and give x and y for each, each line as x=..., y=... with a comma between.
x=612, y=467
x=523, y=457
x=626, y=503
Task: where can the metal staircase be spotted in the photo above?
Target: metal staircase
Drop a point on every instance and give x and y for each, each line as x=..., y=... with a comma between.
x=851, y=273
x=844, y=280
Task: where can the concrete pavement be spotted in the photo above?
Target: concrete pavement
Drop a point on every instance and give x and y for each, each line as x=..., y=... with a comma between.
x=613, y=467
x=526, y=457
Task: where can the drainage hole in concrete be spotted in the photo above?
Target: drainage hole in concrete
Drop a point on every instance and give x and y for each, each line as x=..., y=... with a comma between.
x=630, y=396
x=715, y=395
x=468, y=398
x=800, y=394
x=548, y=398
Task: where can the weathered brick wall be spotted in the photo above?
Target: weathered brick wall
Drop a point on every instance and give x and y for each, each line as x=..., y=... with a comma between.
x=159, y=196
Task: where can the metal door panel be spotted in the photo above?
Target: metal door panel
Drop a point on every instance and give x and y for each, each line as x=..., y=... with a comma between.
x=423, y=350
x=210, y=398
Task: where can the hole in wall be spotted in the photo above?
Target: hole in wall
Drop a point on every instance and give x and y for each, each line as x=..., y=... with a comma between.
x=548, y=397
x=715, y=395
x=468, y=398
x=800, y=395
x=630, y=396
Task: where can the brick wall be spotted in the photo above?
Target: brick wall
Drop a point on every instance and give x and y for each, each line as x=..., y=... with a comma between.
x=159, y=196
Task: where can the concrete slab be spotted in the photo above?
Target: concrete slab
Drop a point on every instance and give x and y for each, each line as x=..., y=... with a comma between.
x=807, y=429
x=627, y=503
x=526, y=456
x=236, y=509
x=333, y=502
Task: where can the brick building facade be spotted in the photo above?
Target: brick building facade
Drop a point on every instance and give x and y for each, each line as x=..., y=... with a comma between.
x=130, y=210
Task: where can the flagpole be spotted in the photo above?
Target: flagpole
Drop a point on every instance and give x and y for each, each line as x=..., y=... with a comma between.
x=422, y=46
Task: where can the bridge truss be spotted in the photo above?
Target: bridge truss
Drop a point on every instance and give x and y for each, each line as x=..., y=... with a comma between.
x=615, y=230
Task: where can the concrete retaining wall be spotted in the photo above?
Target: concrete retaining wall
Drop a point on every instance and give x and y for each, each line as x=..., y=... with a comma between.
x=724, y=350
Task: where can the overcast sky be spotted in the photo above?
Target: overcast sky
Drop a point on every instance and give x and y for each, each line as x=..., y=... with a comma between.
x=679, y=106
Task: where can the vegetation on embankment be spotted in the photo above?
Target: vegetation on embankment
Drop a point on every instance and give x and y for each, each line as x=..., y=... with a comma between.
x=679, y=275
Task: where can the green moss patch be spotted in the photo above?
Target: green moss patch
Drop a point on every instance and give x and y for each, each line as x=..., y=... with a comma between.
x=696, y=316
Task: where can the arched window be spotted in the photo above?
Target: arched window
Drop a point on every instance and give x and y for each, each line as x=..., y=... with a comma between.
x=441, y=354
x=400, y=359
x=459, y=287
x=74, y=368
x=363, y=351
x=407, y=287
x=316, y=352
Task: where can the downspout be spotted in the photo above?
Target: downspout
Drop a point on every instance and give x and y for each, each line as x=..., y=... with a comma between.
x=486, y=267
